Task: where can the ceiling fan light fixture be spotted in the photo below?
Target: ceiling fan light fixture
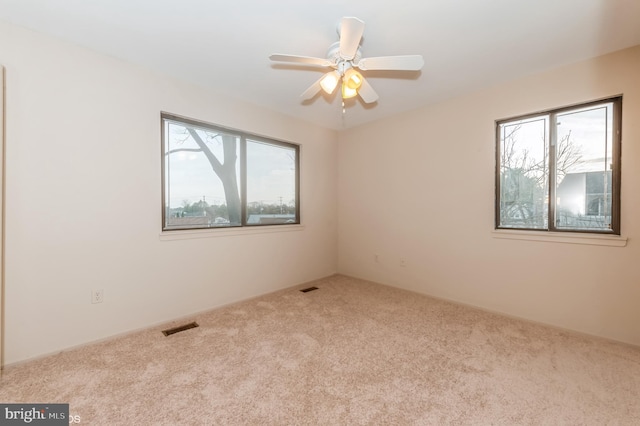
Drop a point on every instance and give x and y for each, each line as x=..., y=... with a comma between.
x=345, y=55
x=353, y=79
x=348, y=92
x=330, y=81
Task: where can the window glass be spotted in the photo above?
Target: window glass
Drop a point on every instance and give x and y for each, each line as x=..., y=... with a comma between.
x=570, y=156
x=584, y=155
x=206, y=169
x=523, y=173
x=271, y=183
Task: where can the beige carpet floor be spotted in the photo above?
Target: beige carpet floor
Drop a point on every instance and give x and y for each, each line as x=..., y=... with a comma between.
x=350, y=353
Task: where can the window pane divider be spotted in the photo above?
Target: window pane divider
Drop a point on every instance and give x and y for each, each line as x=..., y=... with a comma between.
x=552, y=134
x=243, y=180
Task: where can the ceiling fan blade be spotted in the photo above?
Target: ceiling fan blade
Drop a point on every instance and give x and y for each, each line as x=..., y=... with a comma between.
x=312, y=90
x=279, y=57
x=351, y=30
x=396, y=63
x=367, y=93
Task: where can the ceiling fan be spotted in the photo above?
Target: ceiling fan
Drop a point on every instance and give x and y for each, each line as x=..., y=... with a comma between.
x=346, y=59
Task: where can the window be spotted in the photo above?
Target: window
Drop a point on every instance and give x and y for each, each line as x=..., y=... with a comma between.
x=220, y=178
x=560, y=170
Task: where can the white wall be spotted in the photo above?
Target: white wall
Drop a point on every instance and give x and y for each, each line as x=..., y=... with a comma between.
x=83, y=201
x=420, y=187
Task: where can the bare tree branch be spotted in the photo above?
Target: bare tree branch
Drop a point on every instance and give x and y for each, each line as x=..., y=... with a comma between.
x=173, y=151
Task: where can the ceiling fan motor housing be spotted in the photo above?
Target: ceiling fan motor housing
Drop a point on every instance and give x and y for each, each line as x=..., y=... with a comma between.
x=333, y=54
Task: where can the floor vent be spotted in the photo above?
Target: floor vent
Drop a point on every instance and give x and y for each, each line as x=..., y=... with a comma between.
x=307, y=290
x=175, y=330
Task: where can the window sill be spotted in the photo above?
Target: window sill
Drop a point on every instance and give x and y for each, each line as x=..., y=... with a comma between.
x=226, y=232
x=562, y=237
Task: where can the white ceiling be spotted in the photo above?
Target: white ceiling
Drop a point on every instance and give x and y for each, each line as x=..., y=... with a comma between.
x=225, y=45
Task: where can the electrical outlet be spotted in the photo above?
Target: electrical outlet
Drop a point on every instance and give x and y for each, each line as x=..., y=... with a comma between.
x=97, y=296
x=376, y=258
x=403, y=263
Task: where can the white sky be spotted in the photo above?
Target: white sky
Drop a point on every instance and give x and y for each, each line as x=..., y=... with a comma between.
x=587, y=128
